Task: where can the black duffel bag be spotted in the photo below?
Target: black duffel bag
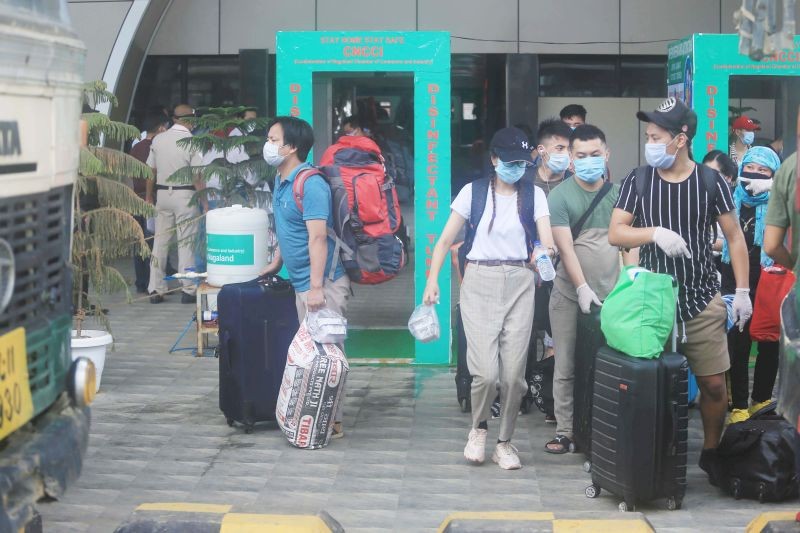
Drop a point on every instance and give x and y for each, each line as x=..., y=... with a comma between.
x=756, y=458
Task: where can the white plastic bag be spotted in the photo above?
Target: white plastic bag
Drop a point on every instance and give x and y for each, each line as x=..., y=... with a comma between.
x=327, y=326
x=424, y=323
x=150, y=224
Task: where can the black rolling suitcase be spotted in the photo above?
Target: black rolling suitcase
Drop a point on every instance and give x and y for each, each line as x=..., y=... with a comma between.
x=640, y=428
x=588, y=340
x=257, y=322
x=463, y=377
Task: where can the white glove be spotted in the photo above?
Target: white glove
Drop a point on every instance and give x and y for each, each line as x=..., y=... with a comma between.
x=756, y=186
x=672, y=243
x=587, y=297
x=742, y=308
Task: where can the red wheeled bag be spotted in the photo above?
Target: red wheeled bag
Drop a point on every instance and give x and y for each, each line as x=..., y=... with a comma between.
x=366, y=212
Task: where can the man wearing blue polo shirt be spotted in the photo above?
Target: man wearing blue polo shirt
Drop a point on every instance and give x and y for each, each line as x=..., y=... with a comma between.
x=303, y=243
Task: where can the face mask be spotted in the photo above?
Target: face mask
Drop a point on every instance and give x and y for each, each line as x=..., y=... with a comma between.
x=271, y=155
x=509, y=172
x=558, y=163
x=590, y=169
x=748, y=137
x=657, y=156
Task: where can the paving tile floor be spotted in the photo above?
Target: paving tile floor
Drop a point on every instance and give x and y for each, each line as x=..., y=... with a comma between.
x=158, y=436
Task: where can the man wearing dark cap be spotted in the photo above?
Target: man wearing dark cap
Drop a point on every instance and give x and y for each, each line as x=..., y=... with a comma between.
x=744, y=135
x=667, y=211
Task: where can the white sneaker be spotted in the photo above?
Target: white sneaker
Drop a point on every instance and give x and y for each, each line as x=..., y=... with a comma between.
x=475, y=450
x=505, y=455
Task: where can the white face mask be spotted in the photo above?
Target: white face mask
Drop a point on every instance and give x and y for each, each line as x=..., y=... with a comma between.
x=271, y=155
x=657, y=156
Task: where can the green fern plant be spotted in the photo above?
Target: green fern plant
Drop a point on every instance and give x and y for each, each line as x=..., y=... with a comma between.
x=240, y=182
x=104, y=208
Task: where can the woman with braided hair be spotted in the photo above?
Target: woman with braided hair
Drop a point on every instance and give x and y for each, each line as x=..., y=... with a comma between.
x=505, y=215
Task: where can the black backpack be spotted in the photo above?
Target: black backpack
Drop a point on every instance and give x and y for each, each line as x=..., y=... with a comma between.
x=756, y=458
x=480, y=188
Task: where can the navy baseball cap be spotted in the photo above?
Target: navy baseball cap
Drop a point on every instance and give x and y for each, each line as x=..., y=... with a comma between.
x=672, y=115
x=511, y=144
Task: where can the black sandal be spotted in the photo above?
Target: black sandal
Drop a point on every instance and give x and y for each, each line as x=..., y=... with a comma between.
x=560, y=440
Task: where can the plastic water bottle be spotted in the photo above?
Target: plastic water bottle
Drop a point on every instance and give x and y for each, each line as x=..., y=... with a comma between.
x=543, y=262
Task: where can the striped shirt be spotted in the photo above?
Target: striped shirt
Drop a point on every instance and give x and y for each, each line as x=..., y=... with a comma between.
x=683, y=208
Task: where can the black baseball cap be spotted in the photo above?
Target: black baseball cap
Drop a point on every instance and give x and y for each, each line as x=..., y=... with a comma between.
x=511, y=144
x=672, y=115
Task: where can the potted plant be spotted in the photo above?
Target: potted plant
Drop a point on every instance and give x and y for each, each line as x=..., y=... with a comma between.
x=231, y=140
x=104, y=228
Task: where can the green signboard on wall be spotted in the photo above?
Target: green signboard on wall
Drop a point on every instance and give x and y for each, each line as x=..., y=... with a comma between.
x=712, y=59
x=427, y=56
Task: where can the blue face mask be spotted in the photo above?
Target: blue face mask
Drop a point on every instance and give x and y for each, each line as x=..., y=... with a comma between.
x=590, y=169
x=748, y=137
x=558, y=162
x=510, y=172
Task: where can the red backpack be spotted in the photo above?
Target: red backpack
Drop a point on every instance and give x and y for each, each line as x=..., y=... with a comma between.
x=366, y=212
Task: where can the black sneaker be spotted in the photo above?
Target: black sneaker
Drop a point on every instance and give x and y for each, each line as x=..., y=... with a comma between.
x=188, y=298
x=156, y=298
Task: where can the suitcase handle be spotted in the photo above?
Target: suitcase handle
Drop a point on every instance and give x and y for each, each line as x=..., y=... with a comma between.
x=225, y=347
x=672, y=449
x=266, y=346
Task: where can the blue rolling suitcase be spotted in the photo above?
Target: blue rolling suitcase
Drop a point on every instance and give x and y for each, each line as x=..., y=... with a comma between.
x=640, y=426
x=257, y=322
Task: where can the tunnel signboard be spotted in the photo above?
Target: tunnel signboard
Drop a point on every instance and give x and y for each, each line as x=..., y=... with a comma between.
x=426, y=55
x=699, y=71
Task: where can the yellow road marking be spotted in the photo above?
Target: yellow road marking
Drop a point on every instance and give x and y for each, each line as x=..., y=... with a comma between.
x=760, y=522
x=497, y=515
x=617, y=526
x=186, y=507
x=272, y=523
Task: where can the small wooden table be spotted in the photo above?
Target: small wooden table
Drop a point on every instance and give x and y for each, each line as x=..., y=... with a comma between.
x=205, y=328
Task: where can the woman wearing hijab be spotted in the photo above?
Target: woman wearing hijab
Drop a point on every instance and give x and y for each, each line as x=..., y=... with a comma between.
x=750, y=197
x=505, y=218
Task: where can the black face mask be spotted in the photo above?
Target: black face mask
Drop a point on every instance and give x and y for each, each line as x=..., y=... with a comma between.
x=754, y=176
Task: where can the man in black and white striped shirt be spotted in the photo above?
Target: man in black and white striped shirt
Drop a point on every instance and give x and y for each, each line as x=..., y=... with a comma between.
x=670, y=222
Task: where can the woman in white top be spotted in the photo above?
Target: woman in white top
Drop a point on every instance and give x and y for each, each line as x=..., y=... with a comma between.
x=498, y=286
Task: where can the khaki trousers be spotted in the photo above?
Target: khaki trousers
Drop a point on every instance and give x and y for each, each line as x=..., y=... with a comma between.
x=173, y=211
x=497, y=311
x=337, y=293
x=564, y=323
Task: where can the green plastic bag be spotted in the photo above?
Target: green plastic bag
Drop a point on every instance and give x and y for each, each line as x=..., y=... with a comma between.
x=638, y=316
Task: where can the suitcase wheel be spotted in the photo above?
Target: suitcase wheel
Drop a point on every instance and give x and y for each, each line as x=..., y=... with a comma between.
x=230, y=422
x=673, y=503
x=624, y=507
x=465, y=404
x=587, y=466
x=592, y=491
x=736, y=487
x=762, y=492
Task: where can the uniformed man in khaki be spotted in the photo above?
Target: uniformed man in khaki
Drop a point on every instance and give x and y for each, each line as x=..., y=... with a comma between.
x=172, y=201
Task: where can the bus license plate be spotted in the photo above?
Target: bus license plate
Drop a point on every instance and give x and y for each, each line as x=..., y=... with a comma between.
x=16, y=404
